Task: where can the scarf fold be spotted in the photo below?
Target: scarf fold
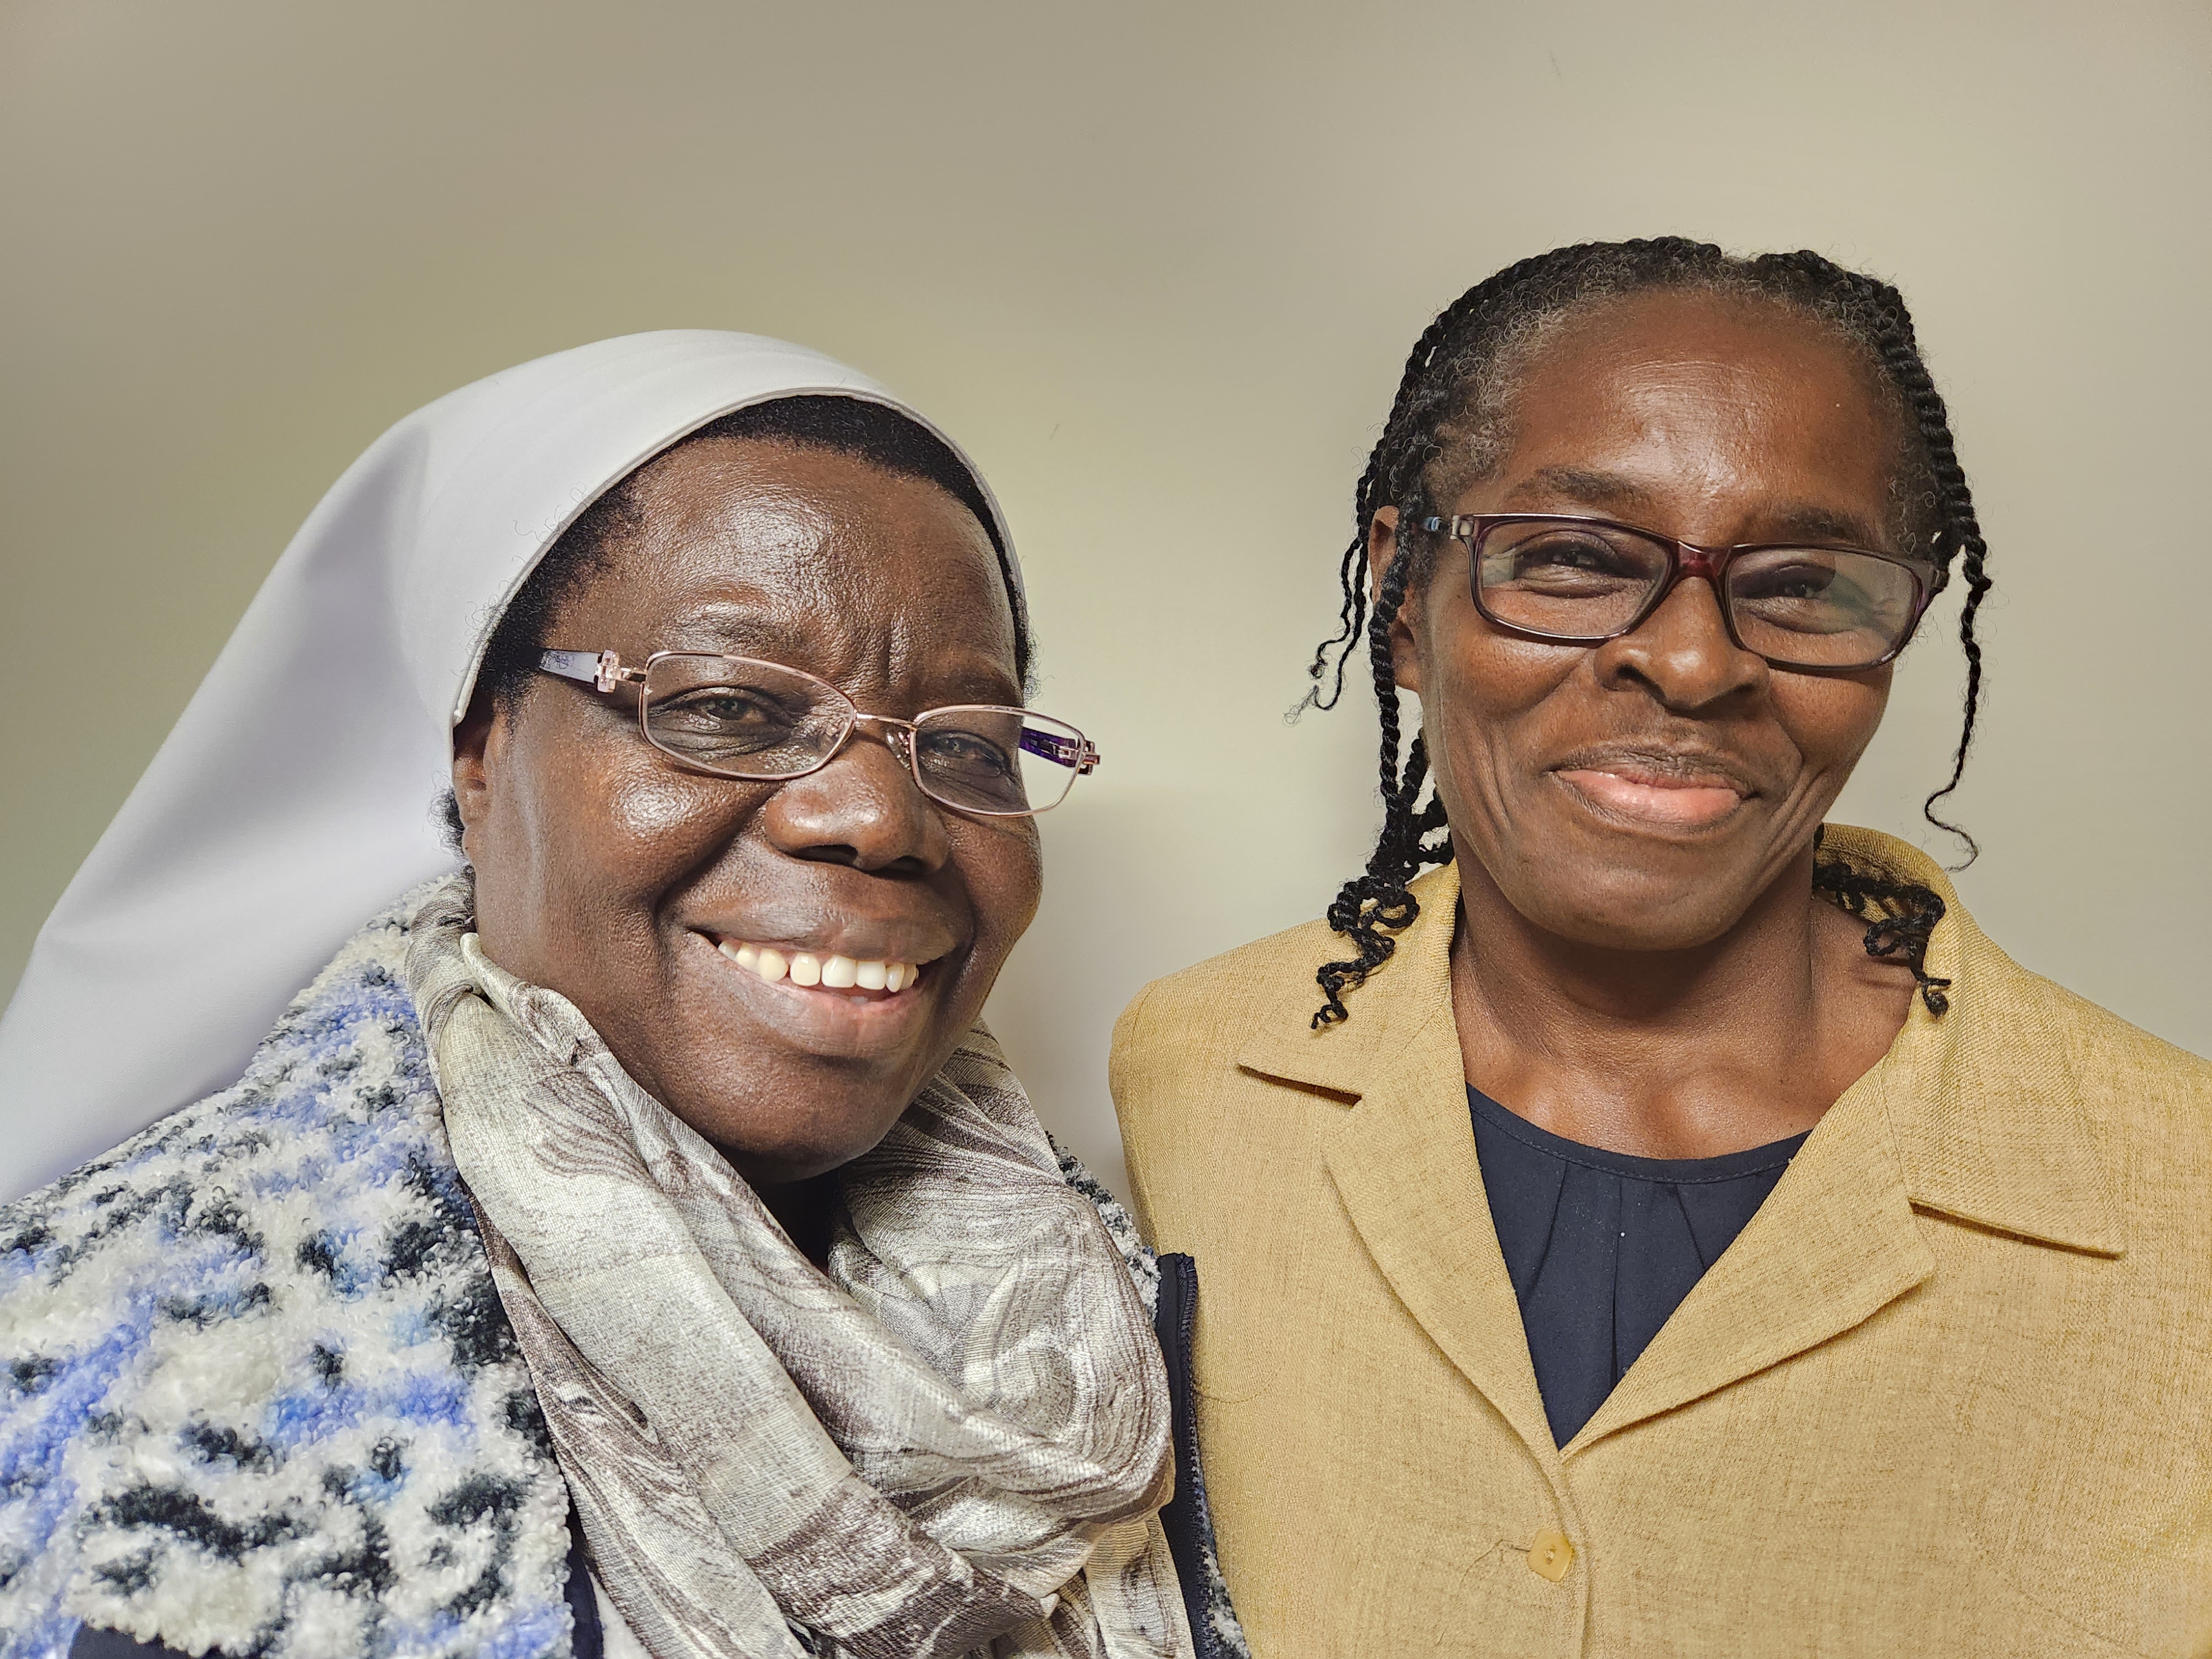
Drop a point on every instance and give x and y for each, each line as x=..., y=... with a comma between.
x=955, y=1441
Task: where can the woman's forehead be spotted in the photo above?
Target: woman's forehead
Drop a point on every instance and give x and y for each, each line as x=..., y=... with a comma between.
x=1748, y=394
x=778, y=549
x=767, y=482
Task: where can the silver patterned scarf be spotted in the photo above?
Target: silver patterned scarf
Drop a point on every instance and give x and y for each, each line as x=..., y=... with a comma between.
x=954, y=1441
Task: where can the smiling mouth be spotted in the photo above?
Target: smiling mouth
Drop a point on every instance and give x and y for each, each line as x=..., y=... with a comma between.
x=1663, y=792
x=874, y=980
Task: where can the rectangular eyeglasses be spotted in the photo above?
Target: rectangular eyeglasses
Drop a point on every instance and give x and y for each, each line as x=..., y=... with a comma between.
x=1572, y=580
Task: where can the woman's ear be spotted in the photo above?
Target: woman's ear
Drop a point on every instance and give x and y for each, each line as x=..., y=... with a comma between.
x=472, y=739
x=1382, y=548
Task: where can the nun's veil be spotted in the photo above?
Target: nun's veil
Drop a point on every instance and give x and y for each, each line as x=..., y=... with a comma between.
x=295, y=795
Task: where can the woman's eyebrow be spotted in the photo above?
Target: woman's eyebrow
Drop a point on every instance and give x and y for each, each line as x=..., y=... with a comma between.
x=1595, y=487
x=731, y=629
x=1617, y=493
x=1827, y=524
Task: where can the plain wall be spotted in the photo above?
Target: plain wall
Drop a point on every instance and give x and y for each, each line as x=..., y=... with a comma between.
x=1159, y=267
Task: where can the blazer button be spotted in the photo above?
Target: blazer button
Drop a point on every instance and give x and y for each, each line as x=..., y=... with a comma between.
x=1550, y=1555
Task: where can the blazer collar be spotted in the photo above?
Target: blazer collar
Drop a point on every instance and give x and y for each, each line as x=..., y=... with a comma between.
x=1400, y=997
x=1987, y=1110
x=1986, y=1127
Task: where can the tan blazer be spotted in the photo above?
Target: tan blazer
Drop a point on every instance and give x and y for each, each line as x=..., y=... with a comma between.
x=1950, y=1391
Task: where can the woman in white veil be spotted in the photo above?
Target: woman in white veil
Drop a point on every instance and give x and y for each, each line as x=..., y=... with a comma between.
x=628, y=1239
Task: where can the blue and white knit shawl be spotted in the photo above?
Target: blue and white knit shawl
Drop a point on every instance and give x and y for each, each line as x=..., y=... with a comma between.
x=258, y=1392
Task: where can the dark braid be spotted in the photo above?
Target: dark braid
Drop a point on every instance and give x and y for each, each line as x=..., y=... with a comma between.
x=1959, y=529
x=1395, y=466
x=1379, y=899
x=1904, y=914
x=1454, y=404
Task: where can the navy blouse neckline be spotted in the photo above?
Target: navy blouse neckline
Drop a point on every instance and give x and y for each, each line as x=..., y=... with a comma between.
x=1602, y=1247
x=1726, y=1166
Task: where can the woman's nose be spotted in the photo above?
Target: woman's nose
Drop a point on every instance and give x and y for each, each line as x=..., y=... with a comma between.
x=1682, y=653
x=863, y=809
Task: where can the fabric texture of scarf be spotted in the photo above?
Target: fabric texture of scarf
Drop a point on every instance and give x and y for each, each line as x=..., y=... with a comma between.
x=954, y=1441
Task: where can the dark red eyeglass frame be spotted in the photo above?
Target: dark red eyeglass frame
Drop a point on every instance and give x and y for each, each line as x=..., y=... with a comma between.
x=1684, y=559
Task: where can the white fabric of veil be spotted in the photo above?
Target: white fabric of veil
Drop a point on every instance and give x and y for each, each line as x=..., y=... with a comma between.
x=296, y=793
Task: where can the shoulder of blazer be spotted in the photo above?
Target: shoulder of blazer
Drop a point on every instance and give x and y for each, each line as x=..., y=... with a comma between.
x=2025, y=1108
x=1251, y=1010
x=1171, y=1018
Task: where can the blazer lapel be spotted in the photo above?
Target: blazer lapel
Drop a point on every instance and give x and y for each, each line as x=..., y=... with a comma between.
x=1955, y=1119
x=1404, y=1162
x=1403, y=1158
x=1834, y=1243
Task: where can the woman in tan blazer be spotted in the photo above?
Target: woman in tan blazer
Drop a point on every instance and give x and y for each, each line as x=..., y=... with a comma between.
x=1672, y=1227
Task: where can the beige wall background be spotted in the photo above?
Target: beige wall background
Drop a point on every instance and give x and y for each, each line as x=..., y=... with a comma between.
x=1158, y=266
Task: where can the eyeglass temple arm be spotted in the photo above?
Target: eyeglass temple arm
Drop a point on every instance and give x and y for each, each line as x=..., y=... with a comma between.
x=1080, y=753
x=602, y=669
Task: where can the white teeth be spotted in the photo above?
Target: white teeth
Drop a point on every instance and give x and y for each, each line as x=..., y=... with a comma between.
x=833, y=973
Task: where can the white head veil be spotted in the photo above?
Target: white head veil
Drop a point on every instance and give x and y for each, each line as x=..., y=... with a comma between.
x=296, y=793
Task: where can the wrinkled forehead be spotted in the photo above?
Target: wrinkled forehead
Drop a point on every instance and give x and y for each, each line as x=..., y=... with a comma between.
x=1729, y=368
x=804, y=555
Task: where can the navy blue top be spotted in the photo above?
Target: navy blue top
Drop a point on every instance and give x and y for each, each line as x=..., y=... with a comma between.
x=1603, y=1247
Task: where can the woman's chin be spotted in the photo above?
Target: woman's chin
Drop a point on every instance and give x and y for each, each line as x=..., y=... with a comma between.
x=1635, y=882
x=1655, y=933
x=1631, y=906
x=789, y=1166
x=776, y=1141
x=798, y=1090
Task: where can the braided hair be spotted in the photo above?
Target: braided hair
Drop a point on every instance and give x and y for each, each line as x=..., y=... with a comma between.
x=1452, y=414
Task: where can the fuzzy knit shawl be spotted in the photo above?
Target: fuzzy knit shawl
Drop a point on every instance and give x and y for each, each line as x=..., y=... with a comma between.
x=256, y=1391
x=955, y=1437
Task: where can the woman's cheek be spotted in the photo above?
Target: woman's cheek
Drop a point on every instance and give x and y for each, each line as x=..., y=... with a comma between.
x=648, y=807
x=1832, y=722
x=651, y=827
x=1487, y=700
x=1003, y=866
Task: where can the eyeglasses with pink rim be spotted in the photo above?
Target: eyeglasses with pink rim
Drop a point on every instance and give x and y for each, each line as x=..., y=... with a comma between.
x=766, y=722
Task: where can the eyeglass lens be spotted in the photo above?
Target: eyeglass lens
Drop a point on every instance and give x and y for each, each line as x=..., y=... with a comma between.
x=1814, y=607
x=746, y=719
